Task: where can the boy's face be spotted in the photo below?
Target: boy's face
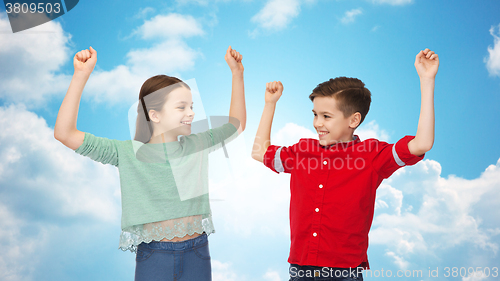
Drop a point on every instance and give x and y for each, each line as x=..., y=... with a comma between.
x=330, y=122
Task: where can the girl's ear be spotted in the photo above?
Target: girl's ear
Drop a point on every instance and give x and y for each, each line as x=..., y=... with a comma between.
x=355, y=120
x=154, y=116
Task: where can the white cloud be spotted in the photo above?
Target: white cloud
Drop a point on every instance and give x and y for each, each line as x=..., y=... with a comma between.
x=476, y=276
x=271, y=275
x=168, y=57
x=399, y=261
x=223, y=271
x=277, y=14
x=30, y=60
x=170, y=26
x=198, y=2
x=350, y=16
x=393, y=2
x=142, y=13
x=493, y=61
x=16, y=250
x=371, y=130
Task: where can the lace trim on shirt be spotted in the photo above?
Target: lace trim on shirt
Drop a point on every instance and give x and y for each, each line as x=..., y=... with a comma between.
x=131, y=237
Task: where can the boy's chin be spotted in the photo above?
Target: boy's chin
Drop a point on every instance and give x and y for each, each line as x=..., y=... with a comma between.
x=324, y=142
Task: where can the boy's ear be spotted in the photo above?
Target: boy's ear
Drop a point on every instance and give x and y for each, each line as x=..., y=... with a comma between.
x=355, y=120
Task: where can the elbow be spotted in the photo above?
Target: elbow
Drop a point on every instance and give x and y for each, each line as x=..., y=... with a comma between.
x=57, y=135
x=427, y=146
x=422, y=149
x=257, y=156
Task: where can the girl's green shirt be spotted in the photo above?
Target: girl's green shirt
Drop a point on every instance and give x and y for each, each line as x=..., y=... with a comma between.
x=160, y=181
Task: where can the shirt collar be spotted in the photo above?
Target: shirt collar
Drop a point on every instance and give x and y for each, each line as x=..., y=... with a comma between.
x=355, y=140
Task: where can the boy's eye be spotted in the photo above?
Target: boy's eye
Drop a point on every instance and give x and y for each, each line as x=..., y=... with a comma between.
x=315, y=114
x=326, y=116
x=180, y=107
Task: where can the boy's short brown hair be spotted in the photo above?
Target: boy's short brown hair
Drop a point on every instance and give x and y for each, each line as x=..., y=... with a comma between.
x=350, y=94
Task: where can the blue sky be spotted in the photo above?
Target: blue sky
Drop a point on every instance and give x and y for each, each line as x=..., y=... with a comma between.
x=61, y=211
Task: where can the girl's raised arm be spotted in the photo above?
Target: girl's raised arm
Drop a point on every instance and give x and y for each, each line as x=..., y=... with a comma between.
x=65, y=129
x=237, y=108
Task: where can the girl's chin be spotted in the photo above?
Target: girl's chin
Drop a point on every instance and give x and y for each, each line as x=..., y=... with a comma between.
x=186, y=131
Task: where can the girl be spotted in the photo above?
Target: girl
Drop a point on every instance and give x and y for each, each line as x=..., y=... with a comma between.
x=166, y=215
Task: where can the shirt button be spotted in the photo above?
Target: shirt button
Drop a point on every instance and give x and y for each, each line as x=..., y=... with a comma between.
x=317, y=210
x=315, y=234
x=324, y=162
x=320, y=186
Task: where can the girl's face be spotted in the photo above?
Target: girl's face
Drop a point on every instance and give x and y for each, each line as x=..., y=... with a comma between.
x=177, y=114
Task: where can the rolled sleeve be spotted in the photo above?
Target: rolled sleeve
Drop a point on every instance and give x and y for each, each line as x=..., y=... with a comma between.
x=390, y=157
x=279, y=158
x=402, y=151
x=99, y=149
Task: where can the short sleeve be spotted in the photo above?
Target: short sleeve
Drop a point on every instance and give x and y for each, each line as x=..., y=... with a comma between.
x=99, y=149
x=280, y=158
x=390, y=157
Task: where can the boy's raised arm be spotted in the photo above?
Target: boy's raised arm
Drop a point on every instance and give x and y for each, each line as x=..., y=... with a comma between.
x=237, y=108
x=427, y=64
x=263, y=137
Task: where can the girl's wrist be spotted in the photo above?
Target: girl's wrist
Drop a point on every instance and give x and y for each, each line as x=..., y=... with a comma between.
x=81, y=74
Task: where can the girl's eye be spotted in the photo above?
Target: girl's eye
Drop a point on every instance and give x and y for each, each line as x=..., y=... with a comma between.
x=191, y=108
x=326, y=116
x=181, y=107
x=315, y=114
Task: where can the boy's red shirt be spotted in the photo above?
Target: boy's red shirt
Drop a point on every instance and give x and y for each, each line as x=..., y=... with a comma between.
x=333, y=195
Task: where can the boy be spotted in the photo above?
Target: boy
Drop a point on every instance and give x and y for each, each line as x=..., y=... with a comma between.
x=334, y=180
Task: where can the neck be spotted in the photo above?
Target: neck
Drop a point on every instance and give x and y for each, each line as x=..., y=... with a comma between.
x=352, y=138
x=162, y=138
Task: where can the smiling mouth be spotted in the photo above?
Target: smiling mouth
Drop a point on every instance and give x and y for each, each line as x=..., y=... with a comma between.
x=186, y=122
x=322, y=133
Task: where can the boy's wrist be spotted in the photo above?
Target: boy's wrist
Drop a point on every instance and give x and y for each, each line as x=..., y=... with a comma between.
x=237, y=72
x=427, y=79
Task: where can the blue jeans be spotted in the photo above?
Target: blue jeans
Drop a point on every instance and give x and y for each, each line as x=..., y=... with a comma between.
x=316, y=273
x=187, y=260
